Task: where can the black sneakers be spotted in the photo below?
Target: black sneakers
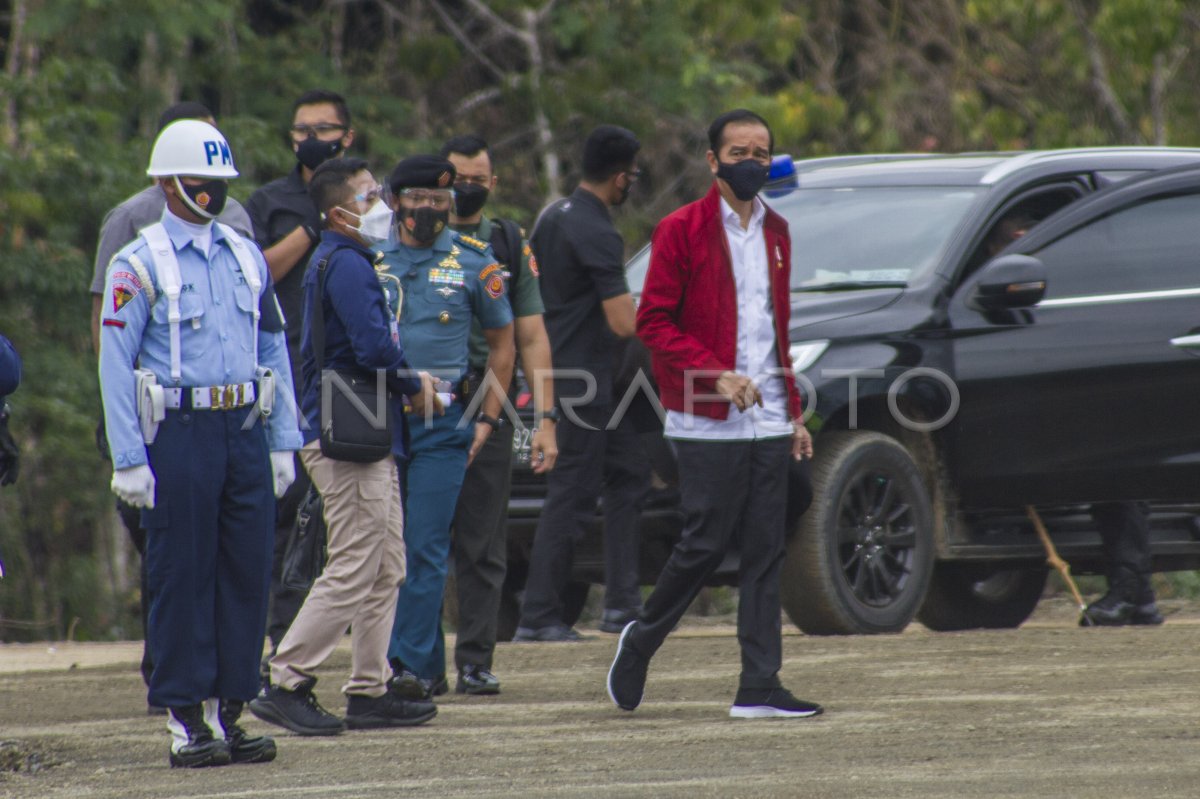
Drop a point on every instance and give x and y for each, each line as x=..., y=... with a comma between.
x=627, y=675
x=1116, y=608
x=555, y=632
x=477, y=681
x=242, y=747
x=296, y=710
x=193, y=744
x=389, y=710
x=771, y=703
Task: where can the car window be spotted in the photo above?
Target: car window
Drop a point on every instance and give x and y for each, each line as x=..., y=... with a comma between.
x=1151, y=246
x=843, y=236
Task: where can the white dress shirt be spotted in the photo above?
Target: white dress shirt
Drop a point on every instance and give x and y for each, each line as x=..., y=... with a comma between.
x=756, y=348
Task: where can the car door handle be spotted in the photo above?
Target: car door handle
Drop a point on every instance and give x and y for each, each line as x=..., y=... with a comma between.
x=1186, y=342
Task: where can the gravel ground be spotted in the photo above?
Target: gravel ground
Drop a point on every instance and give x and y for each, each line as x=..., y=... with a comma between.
x=1046, y=710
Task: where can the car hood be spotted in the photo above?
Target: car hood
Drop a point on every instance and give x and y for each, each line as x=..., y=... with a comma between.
x=811, y=308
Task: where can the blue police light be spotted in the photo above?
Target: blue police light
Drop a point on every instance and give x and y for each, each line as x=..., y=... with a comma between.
x=782, y=177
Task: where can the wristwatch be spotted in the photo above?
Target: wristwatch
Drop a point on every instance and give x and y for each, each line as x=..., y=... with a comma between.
x=311, y=232
x=552, y=415
x=488, y=420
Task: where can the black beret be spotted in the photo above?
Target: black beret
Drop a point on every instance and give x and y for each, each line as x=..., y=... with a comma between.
x=423, y=172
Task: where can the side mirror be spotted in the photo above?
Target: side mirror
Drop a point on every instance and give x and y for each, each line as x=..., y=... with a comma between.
x=1007, y=283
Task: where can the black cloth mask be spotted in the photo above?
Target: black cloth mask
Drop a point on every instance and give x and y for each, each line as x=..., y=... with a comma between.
x=424, y=224
x=469, y=198
x=745, y=178
x=207, y=199
x=312, y=152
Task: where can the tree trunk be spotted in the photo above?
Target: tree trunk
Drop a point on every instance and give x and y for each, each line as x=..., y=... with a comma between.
x=545, y=136
x=12, y=68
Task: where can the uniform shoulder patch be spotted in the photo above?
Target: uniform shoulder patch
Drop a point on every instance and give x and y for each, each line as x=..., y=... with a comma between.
x=472, y=242
x=122, y=292
x=494, y=286
x=489, y=270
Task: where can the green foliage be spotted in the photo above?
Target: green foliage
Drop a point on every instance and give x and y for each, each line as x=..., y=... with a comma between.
x=87, y=80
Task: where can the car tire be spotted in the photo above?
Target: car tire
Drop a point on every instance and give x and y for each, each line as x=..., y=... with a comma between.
x=861, y=559
x=965, y=596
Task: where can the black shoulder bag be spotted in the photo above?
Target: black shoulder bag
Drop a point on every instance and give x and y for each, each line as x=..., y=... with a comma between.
x=356, y=416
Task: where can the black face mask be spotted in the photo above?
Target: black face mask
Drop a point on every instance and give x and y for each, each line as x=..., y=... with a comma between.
x=312, y=152
x=624, y=194
x=424, y=224
x=469, y=198
x=745, y=178
x=207, y=199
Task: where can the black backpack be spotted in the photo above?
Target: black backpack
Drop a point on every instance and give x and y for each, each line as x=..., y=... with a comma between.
x=506, y=243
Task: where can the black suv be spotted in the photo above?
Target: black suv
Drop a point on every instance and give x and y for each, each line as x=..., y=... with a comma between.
x=953, y=376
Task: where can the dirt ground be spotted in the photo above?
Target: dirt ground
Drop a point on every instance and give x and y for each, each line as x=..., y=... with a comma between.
x=1046, y=710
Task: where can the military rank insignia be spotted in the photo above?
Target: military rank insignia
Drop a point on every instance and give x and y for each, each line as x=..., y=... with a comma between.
x=472, y=242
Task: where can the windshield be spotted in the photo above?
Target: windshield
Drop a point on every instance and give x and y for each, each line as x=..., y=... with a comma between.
x=851, y=238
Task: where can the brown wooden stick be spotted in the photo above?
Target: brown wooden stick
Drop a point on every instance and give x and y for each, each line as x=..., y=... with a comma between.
x=1052, y=557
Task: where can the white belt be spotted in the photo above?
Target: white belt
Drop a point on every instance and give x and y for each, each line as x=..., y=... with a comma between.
x=212, y=398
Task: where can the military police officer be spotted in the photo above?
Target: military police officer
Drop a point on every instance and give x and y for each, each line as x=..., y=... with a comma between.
x=445, y=279
x=201, y=426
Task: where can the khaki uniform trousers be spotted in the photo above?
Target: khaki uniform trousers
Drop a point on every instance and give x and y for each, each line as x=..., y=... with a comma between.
x=365, y=565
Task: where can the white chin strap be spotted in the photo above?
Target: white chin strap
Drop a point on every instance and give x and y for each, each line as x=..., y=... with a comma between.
x=189, y=202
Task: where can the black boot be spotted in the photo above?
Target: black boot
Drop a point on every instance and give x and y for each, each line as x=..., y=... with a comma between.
x=1118, y=605
x=242, y=747
x=201, y=749
x=1147, y=609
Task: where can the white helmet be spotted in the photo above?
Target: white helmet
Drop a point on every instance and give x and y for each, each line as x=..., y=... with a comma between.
x=191, y=148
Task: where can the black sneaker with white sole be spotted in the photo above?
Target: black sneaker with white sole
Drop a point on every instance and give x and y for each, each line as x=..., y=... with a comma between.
x=296, y=710
x=627, y=675
x=771, y=703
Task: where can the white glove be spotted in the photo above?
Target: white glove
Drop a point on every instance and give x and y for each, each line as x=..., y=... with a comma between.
x=283, y=469
x=135, y=485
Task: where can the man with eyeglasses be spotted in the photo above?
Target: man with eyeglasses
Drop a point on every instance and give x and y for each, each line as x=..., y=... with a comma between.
x=445, y=279
x=588, y=310
x=287, y=228
x=357, y=589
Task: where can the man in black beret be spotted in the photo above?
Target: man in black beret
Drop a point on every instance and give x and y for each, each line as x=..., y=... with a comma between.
x=443, y=279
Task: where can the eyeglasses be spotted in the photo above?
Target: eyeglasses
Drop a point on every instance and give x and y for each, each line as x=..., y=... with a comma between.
x=321, y=130
x=435, y=198
x=370, y=194
x=634, y=174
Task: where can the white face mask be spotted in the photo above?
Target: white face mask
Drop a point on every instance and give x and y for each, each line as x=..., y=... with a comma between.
x=375, y=226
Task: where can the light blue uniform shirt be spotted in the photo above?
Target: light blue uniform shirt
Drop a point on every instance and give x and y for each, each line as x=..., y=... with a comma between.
x=216, y=336
x=444, y=286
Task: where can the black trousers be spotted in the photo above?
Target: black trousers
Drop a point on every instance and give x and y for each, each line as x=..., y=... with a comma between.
x=285, y=602
x=730, y=492
x=591, y=464
x=479, y=545
x=1124, y=529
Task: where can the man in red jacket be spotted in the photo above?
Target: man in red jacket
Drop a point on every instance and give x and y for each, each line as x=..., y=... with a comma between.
x=714, y=315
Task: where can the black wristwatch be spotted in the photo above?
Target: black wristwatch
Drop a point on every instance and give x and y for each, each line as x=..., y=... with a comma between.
x=551, y=414
x=311, y=232
x=488, y=420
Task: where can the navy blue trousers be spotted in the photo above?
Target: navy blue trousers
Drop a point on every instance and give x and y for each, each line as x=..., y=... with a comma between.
x=208, y=556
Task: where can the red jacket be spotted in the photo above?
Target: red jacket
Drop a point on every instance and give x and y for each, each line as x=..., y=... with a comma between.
x=688, y=313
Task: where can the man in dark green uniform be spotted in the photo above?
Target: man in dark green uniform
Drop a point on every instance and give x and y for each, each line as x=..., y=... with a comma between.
x=478, y=535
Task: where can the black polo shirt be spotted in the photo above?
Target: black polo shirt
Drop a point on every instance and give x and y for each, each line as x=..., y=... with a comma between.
x=581, y=259
x=275, y=211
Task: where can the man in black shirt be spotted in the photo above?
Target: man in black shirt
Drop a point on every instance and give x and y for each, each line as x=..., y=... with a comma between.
x=286, y=226
x=588, y=308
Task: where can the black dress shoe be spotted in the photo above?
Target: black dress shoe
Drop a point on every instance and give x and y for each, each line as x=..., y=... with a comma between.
x=200, y=749
x=553, y=633
x=296, y=710
x=389, y=710
x=243, y=748
x=477, y=681
x=407, y=685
